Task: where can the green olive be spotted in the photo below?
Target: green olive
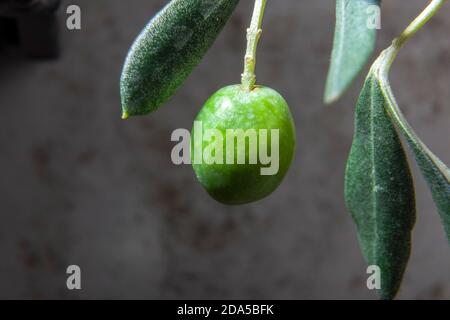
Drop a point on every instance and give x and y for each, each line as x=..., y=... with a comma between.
x=237, y=170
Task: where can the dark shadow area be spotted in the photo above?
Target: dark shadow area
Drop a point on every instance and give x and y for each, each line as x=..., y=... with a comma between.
x=32, y=26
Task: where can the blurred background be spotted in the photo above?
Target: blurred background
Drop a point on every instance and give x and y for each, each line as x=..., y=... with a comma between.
x=80, y=186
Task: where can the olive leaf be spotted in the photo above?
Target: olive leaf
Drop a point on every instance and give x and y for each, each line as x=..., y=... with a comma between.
x=167, y=51
x=436, y=173
x=379, y=190
x=354, y=42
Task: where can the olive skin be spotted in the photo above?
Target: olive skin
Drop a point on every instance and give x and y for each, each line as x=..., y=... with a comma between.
x=235, y=108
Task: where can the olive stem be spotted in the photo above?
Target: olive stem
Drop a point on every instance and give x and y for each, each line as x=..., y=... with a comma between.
x=253, y=36
x=418, y=23
x=384, y=62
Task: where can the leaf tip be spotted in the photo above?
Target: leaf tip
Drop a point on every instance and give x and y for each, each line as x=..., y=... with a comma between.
x=125, y=115
x=331, y=96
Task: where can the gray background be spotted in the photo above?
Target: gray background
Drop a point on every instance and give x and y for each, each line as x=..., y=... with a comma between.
x=80, y=186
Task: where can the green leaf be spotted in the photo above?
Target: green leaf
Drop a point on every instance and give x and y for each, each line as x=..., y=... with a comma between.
x=167, y=51
x=353, y=45
x=436, y=173
x=379, y=190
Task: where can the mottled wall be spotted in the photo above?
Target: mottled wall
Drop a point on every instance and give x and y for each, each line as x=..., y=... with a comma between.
x=80, y=186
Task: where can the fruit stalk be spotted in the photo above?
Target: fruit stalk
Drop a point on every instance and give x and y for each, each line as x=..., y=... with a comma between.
x=253, y=36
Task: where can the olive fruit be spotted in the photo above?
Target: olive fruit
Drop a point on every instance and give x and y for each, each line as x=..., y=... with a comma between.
x=242, y=143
